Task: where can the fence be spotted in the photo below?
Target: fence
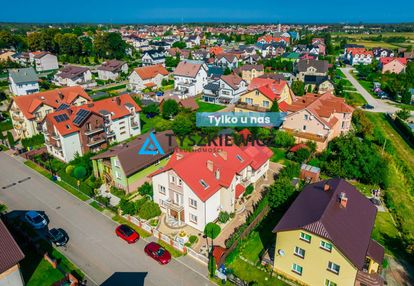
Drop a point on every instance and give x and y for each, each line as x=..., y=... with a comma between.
x=156, y=233
x=198, y=256
x=245, y=233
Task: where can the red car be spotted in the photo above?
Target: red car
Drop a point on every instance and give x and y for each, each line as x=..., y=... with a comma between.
x=157, y=252
x=127, y=233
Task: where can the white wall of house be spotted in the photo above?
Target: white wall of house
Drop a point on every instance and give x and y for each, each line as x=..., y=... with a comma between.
x=70, y=146
x=137, y=83
x=123, y=128
x=23, y=88
x=257, y=174
x=194, y=85
x=108, y=75
x=46, y=63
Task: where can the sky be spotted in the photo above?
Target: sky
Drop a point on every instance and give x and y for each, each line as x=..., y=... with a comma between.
x=177, y=11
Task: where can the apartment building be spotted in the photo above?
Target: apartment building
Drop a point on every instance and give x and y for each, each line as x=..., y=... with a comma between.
x=324, y=238
x=318, y=118
x=194, y=187
x=190, y=77
x=23, y=81
x=43, y=61
x=90, y=127
x=27, y=112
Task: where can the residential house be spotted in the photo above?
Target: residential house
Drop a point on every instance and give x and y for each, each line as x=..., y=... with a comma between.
x=392, y=65
x=153, y=57
x=251, y=59
x=215, y=72
x=215, y=51
x=382, y=53
x=122, y=166
x=292, y=57
x=27, y=112
x=226, y=90
x=74, y=75
x=23, y=81
x=6, y=56
x=43, y=61
x=318, y=118
x=10, y=257
x=324, y=238
x=190, y=77
x=356, y=56
x=147, y=76
x=186, y=103
x=268, y=39
x=311, y=67
x=90, y=127
x=318, y=83
x=194, y=187
x=273, y=49
x=249, y=72
x=261, y=94
x=226, y=60
x=193, y=41
x=112, y=70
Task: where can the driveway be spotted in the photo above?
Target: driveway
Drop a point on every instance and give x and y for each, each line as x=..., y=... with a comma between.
x=93, y=245
x=379, y=105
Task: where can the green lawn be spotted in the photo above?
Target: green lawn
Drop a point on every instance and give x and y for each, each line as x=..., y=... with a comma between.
x=96, y=206
x=354, y=99
x=66, y=265
x=37, y=271
x=208, y=107
x=279, y=155
x=172, y=250
x=6, y=125
x=386, y=233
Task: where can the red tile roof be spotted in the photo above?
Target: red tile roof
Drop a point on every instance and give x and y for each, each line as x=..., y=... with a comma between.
x=150, y=72
x=359, y=51
x=387, y=60
x=270, y=88
x=233, y=80
x=297, y=147
x=192, y=167
x=109, y=105
x=239, y=190
x=53, y=98
x=216, y=50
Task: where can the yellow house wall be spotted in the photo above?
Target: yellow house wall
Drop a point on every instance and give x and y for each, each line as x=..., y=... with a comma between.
x=314, y=264
x=257, y=98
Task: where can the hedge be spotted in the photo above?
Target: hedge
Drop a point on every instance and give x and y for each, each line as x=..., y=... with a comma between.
x=404, y=129
x=83, y=187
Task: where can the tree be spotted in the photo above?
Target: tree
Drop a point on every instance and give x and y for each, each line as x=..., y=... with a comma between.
x=212, y=230
x=404, y=114
x=183, y=124
x=169, y=108
x=280, y=192
x=363, y=126
x=151, y=110
x=145, y=189
x=10, y=139
x=227, y=71
x=79, y=172
x=109, y=45
x=298, y=87
x=283, y=139
x=309, y=88
x=68, y=44
x=179, y=44
x=149, y=210
x=275, y=106
x=211, y=265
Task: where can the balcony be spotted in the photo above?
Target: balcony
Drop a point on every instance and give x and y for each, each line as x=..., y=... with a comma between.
x=172, y=205
x=110, y=134
x=175, y=187
x=306, y=135
x=94, y=130
x=249, y=107
x=17, y=118
x=95, y=141
x=55, y=136
x=134, y=124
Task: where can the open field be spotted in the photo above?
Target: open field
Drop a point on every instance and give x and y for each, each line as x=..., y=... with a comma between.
x=362, y=39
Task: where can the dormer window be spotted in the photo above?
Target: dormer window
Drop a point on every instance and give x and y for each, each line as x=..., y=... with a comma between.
x=204, y=184
x=239, y=158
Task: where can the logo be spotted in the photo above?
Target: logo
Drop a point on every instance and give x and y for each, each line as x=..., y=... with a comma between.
x=151, y=146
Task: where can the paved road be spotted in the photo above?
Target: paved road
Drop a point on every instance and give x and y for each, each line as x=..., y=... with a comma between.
x=93, y=245
x=379, y=105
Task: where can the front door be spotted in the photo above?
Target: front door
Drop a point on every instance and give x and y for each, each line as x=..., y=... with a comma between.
x=174, y=214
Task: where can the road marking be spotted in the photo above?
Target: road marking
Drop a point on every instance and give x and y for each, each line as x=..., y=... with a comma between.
x=9, y=186
x=24, y=180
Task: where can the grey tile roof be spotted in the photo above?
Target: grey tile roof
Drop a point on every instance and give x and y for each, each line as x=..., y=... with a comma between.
x=23, y=75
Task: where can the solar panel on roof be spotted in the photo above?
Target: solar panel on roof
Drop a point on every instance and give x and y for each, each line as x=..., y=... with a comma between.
x=81, y=116
x=62, y=106
x=61, y=117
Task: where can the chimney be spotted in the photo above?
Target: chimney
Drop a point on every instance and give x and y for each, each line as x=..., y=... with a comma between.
x=343, y=200
x=210, y=165
x=118, y=100
x=223, y=154
x=60, y=95
x=179, y=156
x=326, y=187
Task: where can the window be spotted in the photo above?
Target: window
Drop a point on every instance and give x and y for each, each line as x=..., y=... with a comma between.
x=265, y=103
x=172, y=179
x=299, y=252
x=193, y=218
x=326, y=245
x=123, y=133
x=117, y=175
x=333, y=267
x=162, y=203
x=304, y=127
x=306, y=237
x=162, y=190
x=329, y=283
x=239, y=158
x=297, y=269
x=180, y=182
x=204, y=184
x=193, y=203
x=306, y=117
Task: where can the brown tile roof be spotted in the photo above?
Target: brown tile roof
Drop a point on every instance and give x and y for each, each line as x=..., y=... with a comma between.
x=111, y=65
x=53, y=98
x=251, y=67
x=71, y=71
x=375, y=251
x=188, y=68
x=320, y=212
x=233, y=80
x=128, y=156
x=10, y=252
x=321, y=66
x=322, y=106
x=150, y=72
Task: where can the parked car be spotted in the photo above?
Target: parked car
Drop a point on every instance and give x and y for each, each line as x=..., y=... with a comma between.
x=367, y=106
x=35, y=219
x=157, y=252
x=58, y=236
x=127, y=233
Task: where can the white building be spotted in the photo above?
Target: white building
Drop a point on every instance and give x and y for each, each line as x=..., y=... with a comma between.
x=226, y=90
x=23, y=81
x=194, y=187
x=74, y=75
x=44, y=61
x=190, y=77
x=112, y=70
x=153, y=57
x=148, y=76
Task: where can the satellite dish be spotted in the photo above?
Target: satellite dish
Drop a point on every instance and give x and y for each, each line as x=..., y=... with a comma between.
x=281, y=252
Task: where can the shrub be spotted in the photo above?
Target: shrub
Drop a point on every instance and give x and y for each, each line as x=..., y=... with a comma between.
x=223, y=217
x=149, y=210
x=79, y=172
x=193, y=239
x=33, y=141
x=212, y=230
x=145, y=189
x=118, y=192
x=249, y=190
x=103, y=200
x=69, y=169
x=127, y=207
